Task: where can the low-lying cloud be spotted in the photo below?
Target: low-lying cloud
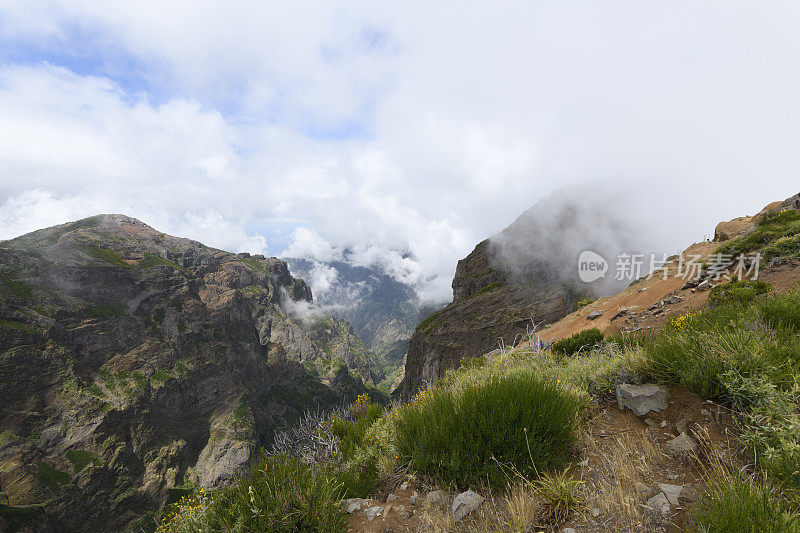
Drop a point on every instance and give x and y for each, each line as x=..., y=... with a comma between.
x=403, y=134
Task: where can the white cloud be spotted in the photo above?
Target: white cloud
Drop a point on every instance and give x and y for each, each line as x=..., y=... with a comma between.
x=458, y=118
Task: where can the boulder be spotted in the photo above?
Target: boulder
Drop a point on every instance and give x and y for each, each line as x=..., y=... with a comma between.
x=641, y=399
x=465, y=503
x=681, y=445
x=672, y=492
x=372, y=512
x=659, y=503
x=437, y=498
x=594, y=315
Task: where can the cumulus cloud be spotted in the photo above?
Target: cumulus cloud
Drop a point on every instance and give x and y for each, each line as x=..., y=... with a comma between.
x=401, y=134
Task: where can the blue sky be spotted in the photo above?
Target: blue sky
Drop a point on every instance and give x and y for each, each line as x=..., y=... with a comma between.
x=309, y=128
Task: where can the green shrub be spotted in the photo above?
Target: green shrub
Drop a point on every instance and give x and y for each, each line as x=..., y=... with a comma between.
x=582, y=340
x=51, y=477
x=733, y=504
x=473, y=362
x=560, y=494
x=359, y=477
x=782, y=311
x=471, y=435
x=79, y=459
x=776, y=234
x=280, y=494
x=351, y=432
x=739, y=291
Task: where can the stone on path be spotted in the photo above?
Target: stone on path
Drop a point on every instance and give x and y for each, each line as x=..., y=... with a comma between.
x=641, y=399
x=465, y=503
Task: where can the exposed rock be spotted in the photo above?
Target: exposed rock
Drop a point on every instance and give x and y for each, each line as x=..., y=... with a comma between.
x=465, y=503
x=373, y=512
x=641, y=399
x=353, y=504
x=674, y=299
x=390, y=498
x=437, y=498
x=643, y=489
x=162, y=358
x=415, y=499
x=659, y=503
x=522, y=274
x=681, y=445
x=672, y=492
x=683, y=425
x=594, y=315
x=568, y=530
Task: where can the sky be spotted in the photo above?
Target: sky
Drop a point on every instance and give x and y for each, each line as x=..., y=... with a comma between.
x=402, y=132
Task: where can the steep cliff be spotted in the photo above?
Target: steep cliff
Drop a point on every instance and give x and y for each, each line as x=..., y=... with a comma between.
x=134, y=363
x=527, y=274
x=382, y=310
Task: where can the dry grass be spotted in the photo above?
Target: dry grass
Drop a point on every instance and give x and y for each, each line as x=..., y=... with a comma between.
x=517, y=510
x=618, y=464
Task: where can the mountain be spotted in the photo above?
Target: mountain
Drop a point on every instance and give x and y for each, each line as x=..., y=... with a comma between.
x=525, y=275
x=382, y=310
x=134, y=363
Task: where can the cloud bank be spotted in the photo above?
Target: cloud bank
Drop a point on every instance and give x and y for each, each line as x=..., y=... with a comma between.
x=403, y=134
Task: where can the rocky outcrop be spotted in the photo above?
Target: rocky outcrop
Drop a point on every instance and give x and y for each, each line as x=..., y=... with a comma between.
x=525, y=275
x=382, y=310
x=134, y=362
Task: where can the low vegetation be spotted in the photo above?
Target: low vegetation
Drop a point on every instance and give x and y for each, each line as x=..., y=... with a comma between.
x=508, y=425
x=583, y=340
x=281, y=494
x=777, y=235
x=470, y=435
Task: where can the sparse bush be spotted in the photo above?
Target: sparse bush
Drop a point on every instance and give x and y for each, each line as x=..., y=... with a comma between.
x=776, y=234
x=733, y=504
x=737, y=291
x=560, y=494
x=469, y=435
x=580, y=341
x=281, y=494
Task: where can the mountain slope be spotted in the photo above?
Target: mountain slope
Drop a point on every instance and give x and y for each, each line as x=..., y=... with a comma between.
x=382, y=310
x=134, y=362
x=523, y=275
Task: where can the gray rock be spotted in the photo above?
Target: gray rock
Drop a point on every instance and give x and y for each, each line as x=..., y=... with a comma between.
x=681, y=445
x=437, y=498
x=595, y=512
x=674, y=299
x=643, y=489
x=659, y=503
x=641, y=399
x=465, y=503
x=415, y=499
x=351, y=505
x=672, y=492
x=683, y=425
x=373, y=512
x=404, y=485
x=390, y=498
x=594, y=315
x=569, y=530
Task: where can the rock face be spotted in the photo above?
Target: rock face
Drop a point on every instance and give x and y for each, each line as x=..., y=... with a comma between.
x=641, y=399
x=382, y=310
x=526, y=273
x=133, y=362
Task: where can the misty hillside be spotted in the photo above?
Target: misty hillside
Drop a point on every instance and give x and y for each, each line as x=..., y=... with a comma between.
x=137, y=366
x=383, y=311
